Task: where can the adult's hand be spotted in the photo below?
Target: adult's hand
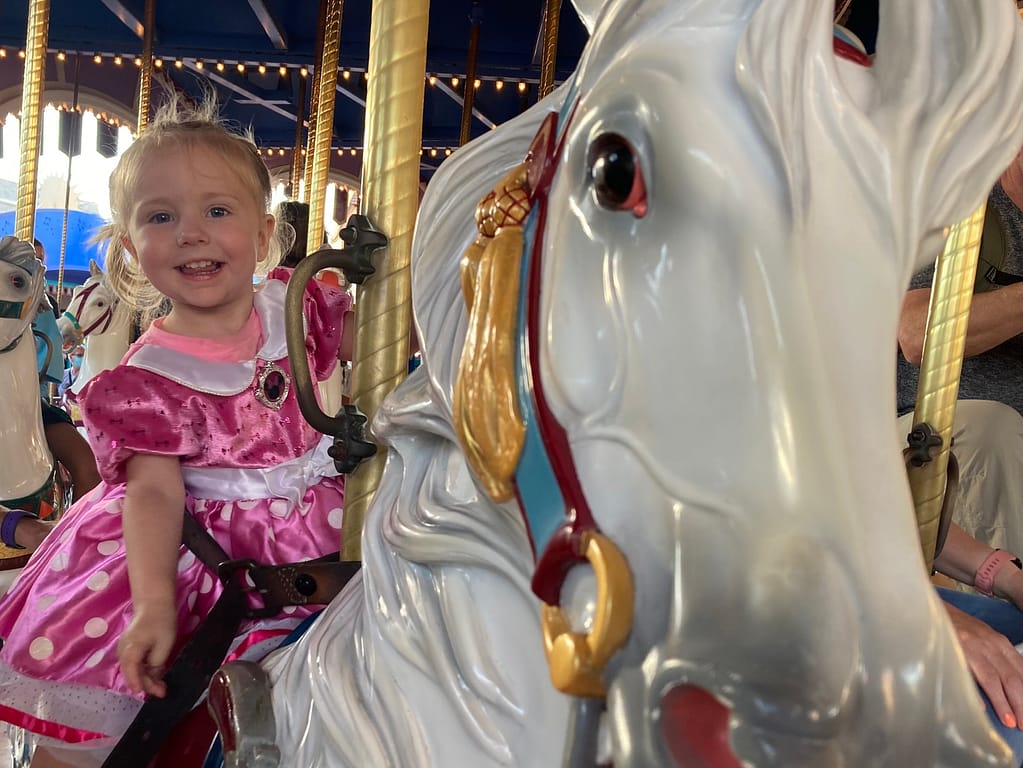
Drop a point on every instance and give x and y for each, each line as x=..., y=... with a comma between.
x=996, y=665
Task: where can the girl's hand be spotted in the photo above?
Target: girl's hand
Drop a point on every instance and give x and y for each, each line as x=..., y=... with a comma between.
x=145, y=645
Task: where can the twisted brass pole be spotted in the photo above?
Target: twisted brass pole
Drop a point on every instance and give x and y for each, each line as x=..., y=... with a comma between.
x=319, y=154
x=296, y=156
x=469, y=91
x=314, y=95
x=31, y=117
x=146, y=73
x=551, y=18
x=390, y=198
x=941, y=363
x=76, y=127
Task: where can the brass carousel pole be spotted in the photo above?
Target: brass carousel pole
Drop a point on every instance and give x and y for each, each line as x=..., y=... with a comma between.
x=296, y=156
x=146, y=74
x=314, y=95
x=318, y=156
x=940, y=366
x=390, y=198
x=76, y=126
x=551, y=17
x=31, y=117
x=469, y=91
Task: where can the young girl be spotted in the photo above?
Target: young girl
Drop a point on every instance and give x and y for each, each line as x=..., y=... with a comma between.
x=199, y=416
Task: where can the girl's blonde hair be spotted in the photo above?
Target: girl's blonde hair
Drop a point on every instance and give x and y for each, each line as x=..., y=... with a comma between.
x=177, y=125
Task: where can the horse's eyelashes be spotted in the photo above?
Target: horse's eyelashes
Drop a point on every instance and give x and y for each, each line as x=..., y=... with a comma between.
x=616, y=175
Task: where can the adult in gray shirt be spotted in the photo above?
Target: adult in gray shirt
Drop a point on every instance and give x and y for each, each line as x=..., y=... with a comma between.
x=988, y=434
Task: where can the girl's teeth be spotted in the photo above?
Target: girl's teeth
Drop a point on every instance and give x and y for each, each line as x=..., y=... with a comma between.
x=199, y=265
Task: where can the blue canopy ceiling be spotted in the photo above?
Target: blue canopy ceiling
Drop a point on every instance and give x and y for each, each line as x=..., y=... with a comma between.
x=283, y=32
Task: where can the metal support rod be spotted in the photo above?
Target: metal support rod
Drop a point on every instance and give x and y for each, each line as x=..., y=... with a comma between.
x=390, y=199
x=146, y=73
x=469, y=90
x=31, y=117
x=296, y=155
x=940, y=366
x=67, y=185
x=551, y=17
x=314, y=95
x=318, y=156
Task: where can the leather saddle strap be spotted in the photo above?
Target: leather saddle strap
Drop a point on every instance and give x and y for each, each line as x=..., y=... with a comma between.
x=313, y=582
x=187, y=680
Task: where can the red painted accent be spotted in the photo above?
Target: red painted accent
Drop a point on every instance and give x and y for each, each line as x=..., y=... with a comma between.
x=845, y=51
x=694, y=729
x=562, y=552
x=46, y=728
x=189, y=742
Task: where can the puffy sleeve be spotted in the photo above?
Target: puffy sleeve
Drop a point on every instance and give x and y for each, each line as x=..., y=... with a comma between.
x=129, y=410
x=325, y=307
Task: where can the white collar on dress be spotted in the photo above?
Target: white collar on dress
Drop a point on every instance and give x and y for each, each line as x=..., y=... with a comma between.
x=222, y=378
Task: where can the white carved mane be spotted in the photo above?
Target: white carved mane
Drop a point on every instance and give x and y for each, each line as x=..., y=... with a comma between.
x=428, y=529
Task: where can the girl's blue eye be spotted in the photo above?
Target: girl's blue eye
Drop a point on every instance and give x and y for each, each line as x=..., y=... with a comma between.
x=159, y=218
x=218, y=211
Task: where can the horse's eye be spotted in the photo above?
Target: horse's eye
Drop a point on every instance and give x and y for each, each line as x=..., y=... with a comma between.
x=617, y=178
x=18, y=282
x=101, y=303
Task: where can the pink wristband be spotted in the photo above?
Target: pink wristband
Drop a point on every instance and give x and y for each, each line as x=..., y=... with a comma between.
x=984, y=579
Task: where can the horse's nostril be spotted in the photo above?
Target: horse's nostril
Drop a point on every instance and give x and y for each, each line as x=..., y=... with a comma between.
x=694, y=729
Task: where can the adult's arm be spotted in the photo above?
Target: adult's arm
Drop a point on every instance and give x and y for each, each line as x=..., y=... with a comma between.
x=995, y=316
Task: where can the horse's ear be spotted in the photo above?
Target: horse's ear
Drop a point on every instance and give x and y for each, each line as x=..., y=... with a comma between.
x=94, y=269
x=588, y=11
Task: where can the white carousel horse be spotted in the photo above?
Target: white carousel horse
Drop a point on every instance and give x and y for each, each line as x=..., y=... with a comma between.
x=96, y=314
x=724, y=218
x=25, y=461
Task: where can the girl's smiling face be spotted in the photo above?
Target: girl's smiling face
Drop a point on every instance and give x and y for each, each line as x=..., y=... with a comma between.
x=198, y=230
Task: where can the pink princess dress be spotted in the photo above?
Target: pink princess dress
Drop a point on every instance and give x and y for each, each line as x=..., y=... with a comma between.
x=256, y=475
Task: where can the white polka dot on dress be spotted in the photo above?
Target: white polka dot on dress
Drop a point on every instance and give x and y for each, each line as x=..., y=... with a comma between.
x=334, y=517
x=95, y=659
x=45, y=602
x=225, y=513
x=59, y=562
x=95, y=627
x=279, y=508
x=98, y=581
x=207, y=583
x=113, y=507
x=191, y=600
x=186, y=561
x=108, y=547
x=40, y=649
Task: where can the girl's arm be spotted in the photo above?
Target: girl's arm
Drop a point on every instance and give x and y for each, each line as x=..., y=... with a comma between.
x=153, y=507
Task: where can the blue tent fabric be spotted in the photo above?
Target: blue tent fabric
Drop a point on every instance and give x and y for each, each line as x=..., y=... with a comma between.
x=81, y=228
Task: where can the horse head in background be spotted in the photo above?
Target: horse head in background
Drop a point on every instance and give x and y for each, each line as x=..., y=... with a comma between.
x=95, y=313
x=682, y=294
x=25, y=462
